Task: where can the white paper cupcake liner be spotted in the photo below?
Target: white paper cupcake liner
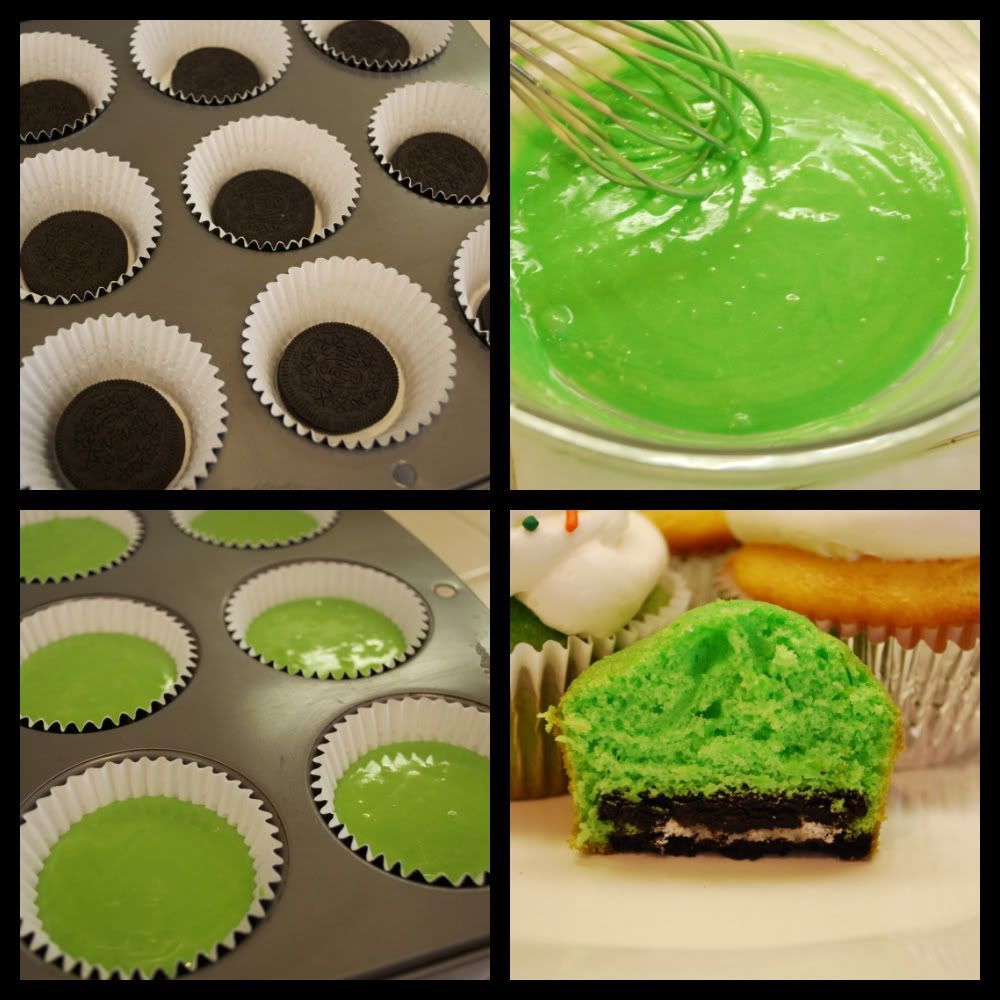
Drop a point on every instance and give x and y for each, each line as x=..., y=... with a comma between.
x=324, y=519
x=395, y=599
x=427, y=39
x=931, y=673
x=84, y=180
x=270, y=142
x=538, y=678
x=111, y=614
x=126, y=521
x=431, y=107
x=365, y=294
x=126, y=347
x=157, y=45
x=52, y=55
x=472, y=275
x=380, y=723
x=67, y=803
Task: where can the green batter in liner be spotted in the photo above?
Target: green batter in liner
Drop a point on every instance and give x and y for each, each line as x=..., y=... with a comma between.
x=93, y=676
x=328, y=637
x=423, y=804
x=813, y=278
x=68, y=547
x=145, y=884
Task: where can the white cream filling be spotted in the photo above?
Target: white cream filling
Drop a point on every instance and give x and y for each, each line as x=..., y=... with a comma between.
x=807, y=831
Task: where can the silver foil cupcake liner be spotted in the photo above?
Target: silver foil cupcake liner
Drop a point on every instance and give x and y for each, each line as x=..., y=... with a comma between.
x=127, y=522
x=427, y=39
x=143, y=619
x=52, y=55
x=157, y=45
x=325, y=519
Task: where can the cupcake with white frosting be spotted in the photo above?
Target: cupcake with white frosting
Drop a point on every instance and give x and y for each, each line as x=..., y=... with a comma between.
x=901, y=587
x=583, y=584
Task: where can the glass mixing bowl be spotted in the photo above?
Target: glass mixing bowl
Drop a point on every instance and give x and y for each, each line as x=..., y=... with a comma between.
x=932, y=68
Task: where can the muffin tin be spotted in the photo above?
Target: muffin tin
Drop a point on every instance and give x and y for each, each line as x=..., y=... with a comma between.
x=206, y=286
x=335, y=915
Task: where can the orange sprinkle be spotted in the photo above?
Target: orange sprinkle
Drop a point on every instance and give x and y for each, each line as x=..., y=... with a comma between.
x=572, y=520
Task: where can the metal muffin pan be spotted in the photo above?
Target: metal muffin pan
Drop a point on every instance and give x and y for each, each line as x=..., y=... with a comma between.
x=206, y=286
x=335, y=915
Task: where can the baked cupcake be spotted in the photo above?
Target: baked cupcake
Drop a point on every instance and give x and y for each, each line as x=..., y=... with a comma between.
x=741, y=728
x=901, y=587
x=582, y=584
x=699, y=541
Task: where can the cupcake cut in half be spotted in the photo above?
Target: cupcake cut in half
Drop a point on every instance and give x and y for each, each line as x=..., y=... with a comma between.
x=741, y=728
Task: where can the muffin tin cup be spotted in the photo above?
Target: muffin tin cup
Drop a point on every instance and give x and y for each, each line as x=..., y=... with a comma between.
x=157, y=45
x=52, y=55
x=329, y=578
x=365, y=294
x=84, y=180
x=324, y=519
x=125, y=347
x=126, y=521
x=65, y=804
x=270, y=142
x=431, y=107
x=472, y=275
x=931, y=673
x=538, y=678
x=79, y=616
x=378, y=724
x=427, y=39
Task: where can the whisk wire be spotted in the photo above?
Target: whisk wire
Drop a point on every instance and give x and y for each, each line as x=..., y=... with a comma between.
x=693, y=136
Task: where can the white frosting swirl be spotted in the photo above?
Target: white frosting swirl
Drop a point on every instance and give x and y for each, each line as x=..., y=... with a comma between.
x=848, y=534
x=590, y=581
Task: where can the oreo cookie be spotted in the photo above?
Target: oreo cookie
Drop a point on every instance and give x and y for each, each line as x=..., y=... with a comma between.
x=120, y=435
x=72, y=253
x=50, y=105
x=373, y=41
x=483, y=313
x=338, y=378
x=265, y=205
x=214, y=73
x=443, y=163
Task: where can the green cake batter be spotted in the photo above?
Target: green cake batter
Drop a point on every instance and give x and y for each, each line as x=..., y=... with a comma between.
x=325, y=637
x=144, y=884
x=424, y=804
x=84, y=678
x=68, y=546
x=814, y=277
x=254, y=527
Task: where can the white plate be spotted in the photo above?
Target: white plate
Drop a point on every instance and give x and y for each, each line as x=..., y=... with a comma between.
x=911, y=912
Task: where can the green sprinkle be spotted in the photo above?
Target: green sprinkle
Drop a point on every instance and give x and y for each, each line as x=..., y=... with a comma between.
x=530, y=523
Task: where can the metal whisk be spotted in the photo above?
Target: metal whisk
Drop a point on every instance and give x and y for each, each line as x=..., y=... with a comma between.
x=684, y=128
